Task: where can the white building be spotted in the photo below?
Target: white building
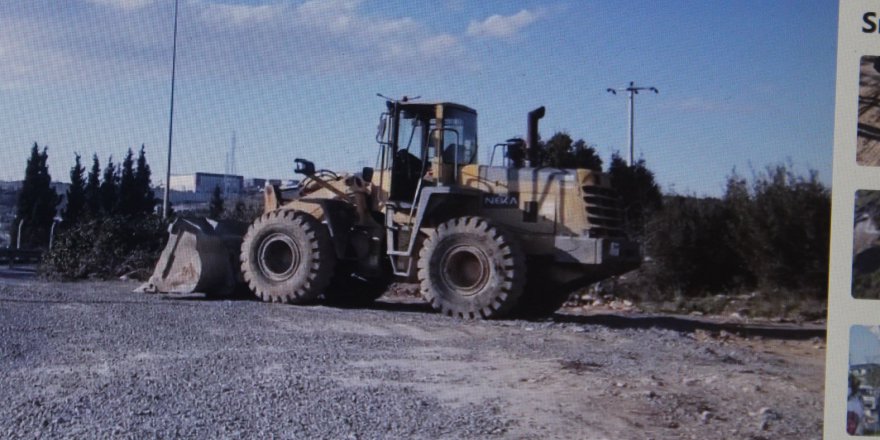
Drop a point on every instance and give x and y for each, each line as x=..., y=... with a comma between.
x=204, y=183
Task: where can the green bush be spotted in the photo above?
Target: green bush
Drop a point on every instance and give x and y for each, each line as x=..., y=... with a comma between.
x=771, y=234
x=639, y=193
x=106, y=248
x=688, y=244
x=781, y=229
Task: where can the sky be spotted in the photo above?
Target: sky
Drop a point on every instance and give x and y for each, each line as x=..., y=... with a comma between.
x=743, y=85
x=864, y=345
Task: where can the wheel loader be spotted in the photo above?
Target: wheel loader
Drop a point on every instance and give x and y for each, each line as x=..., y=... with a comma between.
x=482, y=241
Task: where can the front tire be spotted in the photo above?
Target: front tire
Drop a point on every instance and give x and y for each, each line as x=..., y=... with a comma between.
x=471, y=269
x=287, y=256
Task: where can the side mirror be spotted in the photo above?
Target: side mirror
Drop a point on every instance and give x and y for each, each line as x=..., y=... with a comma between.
x=304, y=167
x=367, y=174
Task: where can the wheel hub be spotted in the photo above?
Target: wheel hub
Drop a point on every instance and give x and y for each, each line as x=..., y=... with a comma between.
x=278, y=257
x=466, y=269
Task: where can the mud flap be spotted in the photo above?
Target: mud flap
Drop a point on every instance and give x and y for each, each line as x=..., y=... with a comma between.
x=201, y=256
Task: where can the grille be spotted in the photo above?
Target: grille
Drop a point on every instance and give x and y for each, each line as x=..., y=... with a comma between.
x=603, y=211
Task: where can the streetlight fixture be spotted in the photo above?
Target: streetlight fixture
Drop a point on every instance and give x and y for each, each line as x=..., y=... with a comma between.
x=55, y=222
x=18, y=236
x=631, y=107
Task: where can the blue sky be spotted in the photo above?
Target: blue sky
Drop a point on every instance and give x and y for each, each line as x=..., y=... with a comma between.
x=864, y=344
x=742, y=84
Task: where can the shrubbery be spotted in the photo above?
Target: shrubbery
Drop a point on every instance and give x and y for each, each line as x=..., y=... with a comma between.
x=639, y=193
x=767, y=236
x=109, y=225
x=106, y=248
x=781, y=229
x=772, y=234
x=689, y=248
x=110, y=246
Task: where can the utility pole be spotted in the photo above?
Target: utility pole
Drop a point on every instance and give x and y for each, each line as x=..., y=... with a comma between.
x=631, y=108
x=170, y=120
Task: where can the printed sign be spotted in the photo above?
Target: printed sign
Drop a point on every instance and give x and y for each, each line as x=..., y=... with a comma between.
x=510, y=200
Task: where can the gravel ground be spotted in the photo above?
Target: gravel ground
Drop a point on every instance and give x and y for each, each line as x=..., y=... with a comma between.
x=93, y=360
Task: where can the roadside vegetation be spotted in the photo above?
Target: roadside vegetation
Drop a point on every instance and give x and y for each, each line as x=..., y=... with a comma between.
x=109, y=225
x=761, y=249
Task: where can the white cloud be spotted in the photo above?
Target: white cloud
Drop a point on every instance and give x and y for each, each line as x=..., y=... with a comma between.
x=500, y=26
x=875, y=330
x=126, y=5
x=43, y=45
x=241, y=14
x=131, y=40
x=322, y=9
x=319, y=36
x=440, y=45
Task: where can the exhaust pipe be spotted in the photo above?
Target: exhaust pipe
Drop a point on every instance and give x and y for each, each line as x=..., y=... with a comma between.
x=532, y=148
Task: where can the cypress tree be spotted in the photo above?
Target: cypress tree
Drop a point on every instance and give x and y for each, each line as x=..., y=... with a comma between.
x=146, y=200
x=128, y=198
x=36, y=201
x=109, y=188
x=93, y=189
x=76, y=194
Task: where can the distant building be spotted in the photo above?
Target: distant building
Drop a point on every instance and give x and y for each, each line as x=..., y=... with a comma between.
x=13, y=185
x=9, y=192
x=194, y=191
x=204, y=183
x=16, y=185
x=60, y=188
x=256, y=184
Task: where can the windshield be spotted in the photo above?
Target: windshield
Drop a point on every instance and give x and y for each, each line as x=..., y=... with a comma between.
x=459, y=136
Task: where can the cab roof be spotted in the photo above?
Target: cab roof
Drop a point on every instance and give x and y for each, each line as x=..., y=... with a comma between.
x=426, y=106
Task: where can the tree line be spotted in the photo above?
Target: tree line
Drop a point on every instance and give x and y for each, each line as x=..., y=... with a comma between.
x=770, y=232
x=109, y=225
x=118, y=189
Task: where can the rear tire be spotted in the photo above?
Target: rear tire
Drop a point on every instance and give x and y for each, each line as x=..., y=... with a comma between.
x=287, y=256
x=471, y=269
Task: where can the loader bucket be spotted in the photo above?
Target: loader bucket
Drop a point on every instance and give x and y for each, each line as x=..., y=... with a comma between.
x=201, y=256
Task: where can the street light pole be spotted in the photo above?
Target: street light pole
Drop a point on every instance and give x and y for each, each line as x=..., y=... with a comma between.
x=631, y=109
x=18, y=236
x=55, y=222
x=170, y=119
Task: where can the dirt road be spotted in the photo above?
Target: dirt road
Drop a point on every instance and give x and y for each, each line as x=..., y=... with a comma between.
x=92, y=360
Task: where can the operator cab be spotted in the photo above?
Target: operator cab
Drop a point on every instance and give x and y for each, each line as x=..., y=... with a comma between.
x=426, y=144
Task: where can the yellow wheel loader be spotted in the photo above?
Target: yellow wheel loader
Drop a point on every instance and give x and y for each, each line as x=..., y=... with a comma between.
x=482, y=241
